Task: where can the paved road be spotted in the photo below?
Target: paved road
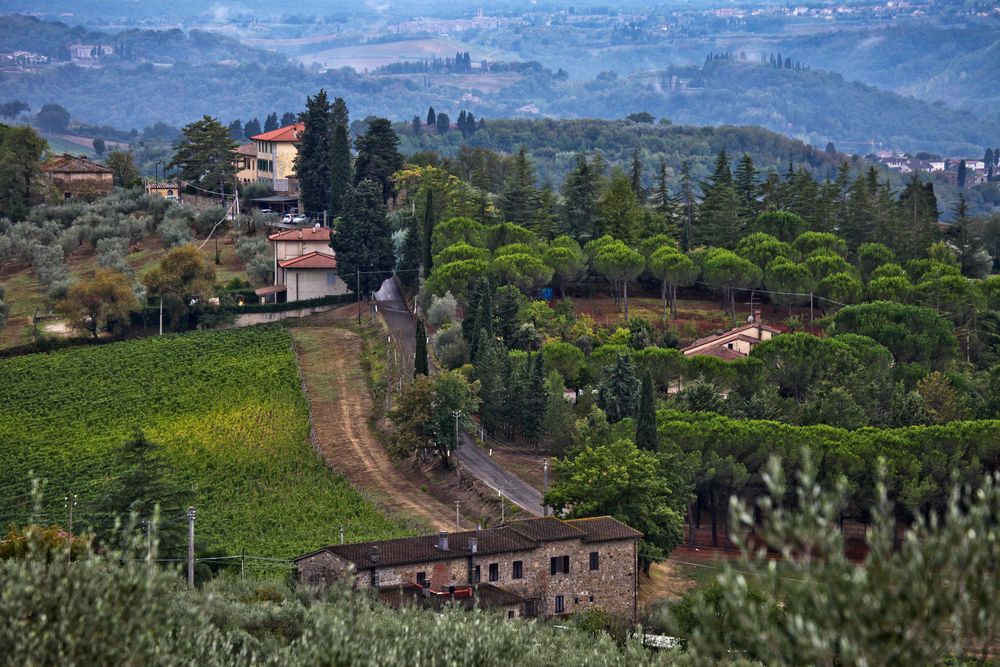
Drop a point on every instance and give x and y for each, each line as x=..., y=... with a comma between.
x=471, y=457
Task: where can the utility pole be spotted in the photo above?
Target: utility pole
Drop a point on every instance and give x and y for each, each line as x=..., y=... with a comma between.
x=810, y=312
x=545, y=486
x=243, y=563
x=149, y=540
x=503, y=507
x=456, y=413
x=341, y=534
x=161, y=314
x=388, y=375
x=359, y=295
x=190, y=515
x=69, y=526
x=458, y=525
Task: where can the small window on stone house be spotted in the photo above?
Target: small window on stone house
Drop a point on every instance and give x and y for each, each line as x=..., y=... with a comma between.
x=560, y=606
x=594, y=560
x=494, y=571
x=421, y=578
x=518, y=570
x=477, y=576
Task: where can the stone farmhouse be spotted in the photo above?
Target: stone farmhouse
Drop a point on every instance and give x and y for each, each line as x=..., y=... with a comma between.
x=735, y=343
x=532, y=568
x=77, y=177
x=305, y=266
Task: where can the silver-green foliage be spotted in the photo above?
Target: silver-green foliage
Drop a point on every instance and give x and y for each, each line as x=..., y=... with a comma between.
x=116, y=609
x=932, y=595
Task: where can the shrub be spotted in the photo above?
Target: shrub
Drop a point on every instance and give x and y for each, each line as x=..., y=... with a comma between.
x=449, y=347
x=443, y=310
x=175, y=231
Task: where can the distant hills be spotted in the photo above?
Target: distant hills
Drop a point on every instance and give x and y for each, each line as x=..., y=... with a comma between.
x=176, y=77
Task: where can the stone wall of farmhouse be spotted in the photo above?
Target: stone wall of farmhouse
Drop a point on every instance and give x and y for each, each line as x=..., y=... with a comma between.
x=610, y=587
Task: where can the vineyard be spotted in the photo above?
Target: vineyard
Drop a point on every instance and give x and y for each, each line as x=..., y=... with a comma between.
x=228, y=410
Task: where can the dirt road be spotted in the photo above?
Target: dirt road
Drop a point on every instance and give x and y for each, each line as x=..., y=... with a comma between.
x=329, y=356
x=471, y=457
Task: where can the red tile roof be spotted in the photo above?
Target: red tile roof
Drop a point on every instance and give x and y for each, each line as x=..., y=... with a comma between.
x=312, y=260
x=722, y=352
x=287, y=133
x=303, y=234
x=71, y=164
x=547, y=529
x=604, y=528
x=424, y=548
x=515, y=536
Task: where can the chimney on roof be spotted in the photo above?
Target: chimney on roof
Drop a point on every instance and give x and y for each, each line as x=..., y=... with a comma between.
x=443, y=541
x=473, y=545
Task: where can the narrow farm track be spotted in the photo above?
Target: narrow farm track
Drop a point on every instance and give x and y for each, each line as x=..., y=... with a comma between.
x=329, y=357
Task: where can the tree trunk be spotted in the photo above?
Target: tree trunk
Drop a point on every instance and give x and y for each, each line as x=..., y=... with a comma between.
x=663, y=295
x=691, y=525
x=625, y=292
x=715, y=522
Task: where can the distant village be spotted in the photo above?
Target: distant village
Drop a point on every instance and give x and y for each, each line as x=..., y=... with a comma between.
x=961, y=172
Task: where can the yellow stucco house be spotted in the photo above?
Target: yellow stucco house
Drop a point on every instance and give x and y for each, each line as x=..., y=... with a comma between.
x=276, y=151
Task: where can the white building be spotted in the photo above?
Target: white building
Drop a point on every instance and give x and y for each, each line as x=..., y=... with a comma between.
x=305, y=267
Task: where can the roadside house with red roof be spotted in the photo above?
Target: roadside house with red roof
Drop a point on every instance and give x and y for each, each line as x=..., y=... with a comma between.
x=305, y=267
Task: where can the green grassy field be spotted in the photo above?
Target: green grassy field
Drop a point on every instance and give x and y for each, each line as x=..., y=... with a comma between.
x=226, y=406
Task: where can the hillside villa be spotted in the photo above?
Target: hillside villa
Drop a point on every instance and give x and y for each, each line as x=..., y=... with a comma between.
x=77, y=177
x=305, y=266
x=531, y=568
x=275, y=157
x=735, y=343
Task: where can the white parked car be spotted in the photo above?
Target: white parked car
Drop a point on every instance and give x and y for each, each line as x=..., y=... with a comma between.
x=295, y=219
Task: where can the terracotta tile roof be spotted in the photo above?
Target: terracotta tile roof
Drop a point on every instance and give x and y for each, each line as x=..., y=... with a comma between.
x=246, y=149
x=303, y=234
x=604, y=529
x=483, y=596
x=516, y=536
x=721, y=352
x=424, y=548
x=312, y=260
x=546, y=529
x=732, y=334
x=287, y=133
x=71, y=164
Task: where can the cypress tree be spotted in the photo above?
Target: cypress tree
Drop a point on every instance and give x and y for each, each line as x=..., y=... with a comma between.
x=313, y=159
x=580, y=192
x=251, y=128
x=535, y=401
x=645, y=426
x=428, y=233
x=618, y=391
x=746, y=186
x=688, y=207
x=409, y=263
x=340, y=167
x=420, y=358
x=635, y=175
x=363, y=241
x=519, y=198
x=271, y=122
x=718, y=215
x=431, y=117
x=378, y=156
